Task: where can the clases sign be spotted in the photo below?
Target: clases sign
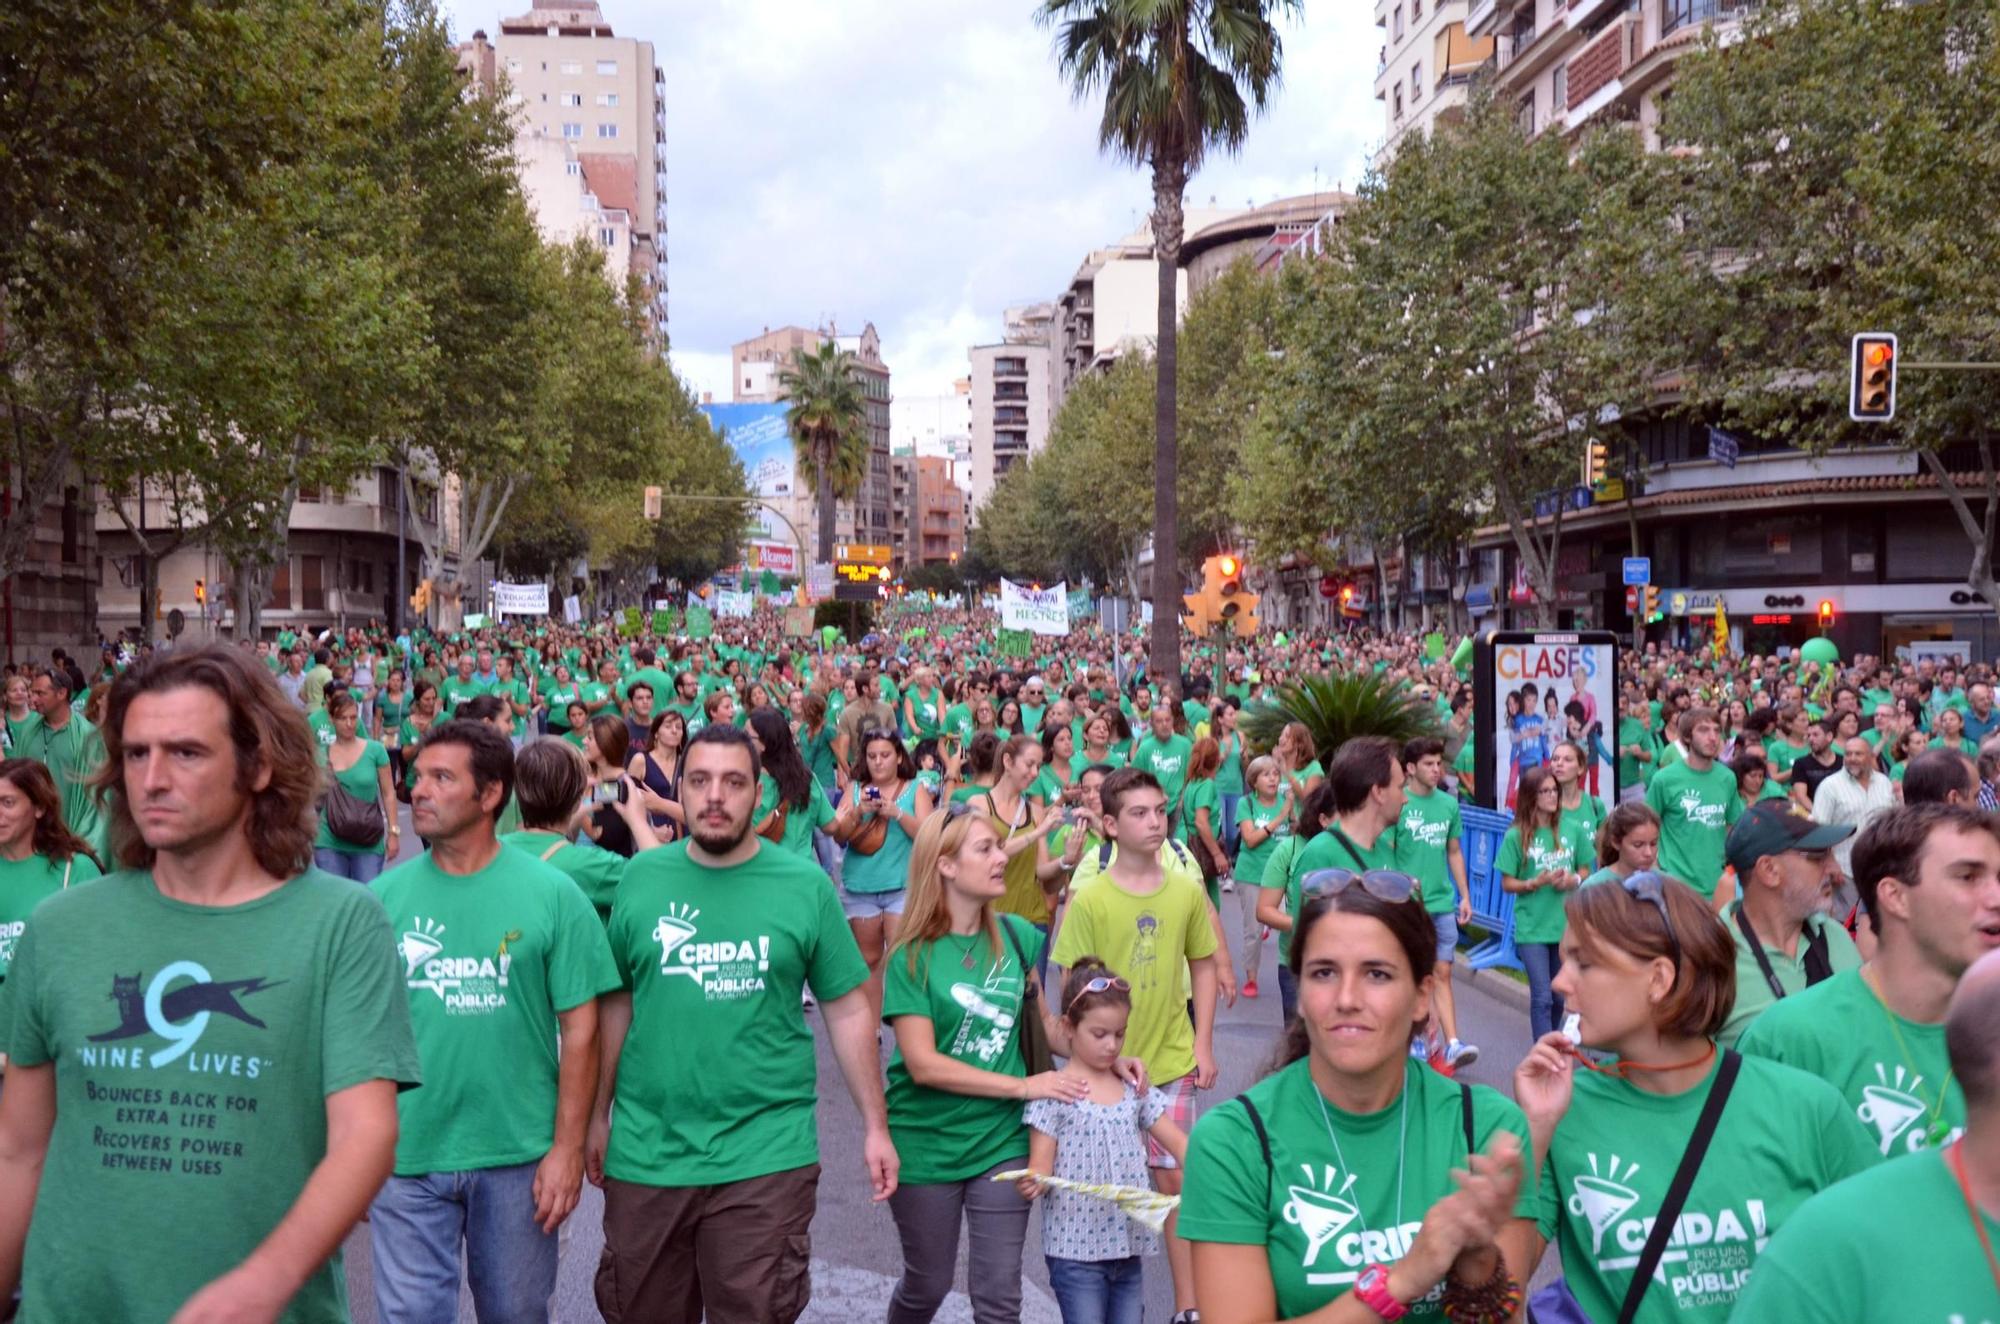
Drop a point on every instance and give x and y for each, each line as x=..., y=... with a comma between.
x=1533, y=692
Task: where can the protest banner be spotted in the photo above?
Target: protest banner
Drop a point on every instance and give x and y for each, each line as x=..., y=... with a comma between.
x=1038, y=610
x=520, y=599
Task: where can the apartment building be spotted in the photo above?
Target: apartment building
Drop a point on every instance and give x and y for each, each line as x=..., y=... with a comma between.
x=1426, y=66
x=1014, y=385
x=590, y=134
x=1564, y=65
x=755, y=365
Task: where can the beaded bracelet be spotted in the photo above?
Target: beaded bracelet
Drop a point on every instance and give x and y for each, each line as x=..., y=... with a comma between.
x=1492, y=1302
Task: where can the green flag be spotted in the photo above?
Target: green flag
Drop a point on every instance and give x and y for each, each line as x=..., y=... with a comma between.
x=700, y=623
x=1015, y=643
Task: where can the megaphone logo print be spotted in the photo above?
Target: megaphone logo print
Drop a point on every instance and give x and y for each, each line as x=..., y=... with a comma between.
x=1600, y=1197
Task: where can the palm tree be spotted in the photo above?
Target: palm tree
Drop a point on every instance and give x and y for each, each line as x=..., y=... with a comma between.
x=1178, y=77
x=828, y=420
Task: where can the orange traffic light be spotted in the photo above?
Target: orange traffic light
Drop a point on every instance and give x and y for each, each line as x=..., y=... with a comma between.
x=1825, y=614
x=1228, y=565
x=1871, y=394
x=1222, y=602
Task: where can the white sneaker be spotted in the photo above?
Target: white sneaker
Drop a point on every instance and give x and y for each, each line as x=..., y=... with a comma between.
x=1420, y=1050
x=1459, y=1054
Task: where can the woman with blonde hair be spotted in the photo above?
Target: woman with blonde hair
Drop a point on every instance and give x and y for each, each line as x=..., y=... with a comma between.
x=957, y=983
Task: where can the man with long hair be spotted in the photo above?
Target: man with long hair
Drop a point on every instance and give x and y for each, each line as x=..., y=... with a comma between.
x=205, y=1048
x=703, y=1136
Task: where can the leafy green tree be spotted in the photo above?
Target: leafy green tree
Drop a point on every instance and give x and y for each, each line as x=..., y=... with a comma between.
x=1835, y=172
x=1178, y=78
x=827, y=416
x=1226, y=344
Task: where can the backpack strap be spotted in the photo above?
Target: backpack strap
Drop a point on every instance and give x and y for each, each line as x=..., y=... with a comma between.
x=1263, y=1139
x=555, y=846
x=1465, y=1116
x=1677, y=1192
x=1103, y=856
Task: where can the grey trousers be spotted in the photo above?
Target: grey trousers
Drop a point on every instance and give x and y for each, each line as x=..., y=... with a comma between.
x=927, y=1219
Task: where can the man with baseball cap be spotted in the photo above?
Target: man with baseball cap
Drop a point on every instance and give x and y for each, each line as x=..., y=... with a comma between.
x=1785, y=940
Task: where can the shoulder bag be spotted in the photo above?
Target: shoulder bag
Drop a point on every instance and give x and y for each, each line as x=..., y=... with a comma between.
x=1556, y=1304
x=1035, y=1050
x=350, y=818
x=876, y=834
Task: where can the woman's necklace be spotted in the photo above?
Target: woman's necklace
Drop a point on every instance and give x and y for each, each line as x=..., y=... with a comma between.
x=1402, y=1150
x=1937, y=1130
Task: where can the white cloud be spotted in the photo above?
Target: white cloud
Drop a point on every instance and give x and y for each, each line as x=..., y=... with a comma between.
x=921, y=165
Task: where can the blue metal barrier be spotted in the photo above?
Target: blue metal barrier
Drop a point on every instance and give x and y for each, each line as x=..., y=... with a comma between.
x=1492, y=904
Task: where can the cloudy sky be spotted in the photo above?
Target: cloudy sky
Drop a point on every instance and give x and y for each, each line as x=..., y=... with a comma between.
x=919, y=164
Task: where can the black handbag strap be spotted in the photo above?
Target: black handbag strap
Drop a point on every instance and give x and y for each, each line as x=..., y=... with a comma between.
x=1818, y=964
x=1020, y=959
x=1677, y=1191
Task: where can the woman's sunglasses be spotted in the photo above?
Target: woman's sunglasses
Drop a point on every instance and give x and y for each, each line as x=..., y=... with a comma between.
x=1652, y=886
x=1389, y=885
x=1101, y=984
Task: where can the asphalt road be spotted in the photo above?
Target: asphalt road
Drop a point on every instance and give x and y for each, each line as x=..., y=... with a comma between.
x=856, y=1255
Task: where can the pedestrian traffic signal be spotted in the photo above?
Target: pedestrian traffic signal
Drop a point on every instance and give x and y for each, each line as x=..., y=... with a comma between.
x=1596, y=464
x=1825, y=614
x=1871, y=394
x=200, y=592
x=1221, y=602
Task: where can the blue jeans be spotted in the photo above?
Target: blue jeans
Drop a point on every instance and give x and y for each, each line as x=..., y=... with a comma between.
x=416, y=1225
x=1543, y=961
x=362, y=869
x=1228, y=803
x=1288, y=992
x=1098, y=1291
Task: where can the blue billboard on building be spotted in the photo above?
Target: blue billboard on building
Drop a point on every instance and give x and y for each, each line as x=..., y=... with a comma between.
x=758, y=435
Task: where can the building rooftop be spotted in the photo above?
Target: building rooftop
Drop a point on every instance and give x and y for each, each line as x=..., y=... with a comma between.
x=578, y=18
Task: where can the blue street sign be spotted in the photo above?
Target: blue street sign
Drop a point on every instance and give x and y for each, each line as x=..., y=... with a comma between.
x=1638, y=570
x=1724, y=448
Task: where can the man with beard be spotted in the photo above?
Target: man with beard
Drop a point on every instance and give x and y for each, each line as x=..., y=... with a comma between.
x=1785, y=941
x=1697, y=803
x=704, y=1137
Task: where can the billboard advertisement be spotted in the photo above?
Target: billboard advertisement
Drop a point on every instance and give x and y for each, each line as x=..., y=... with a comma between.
x=1534, y=691
x=763, y=444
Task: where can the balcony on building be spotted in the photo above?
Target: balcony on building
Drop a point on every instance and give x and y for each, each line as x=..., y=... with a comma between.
x=1009, y=366
x=1593, y=80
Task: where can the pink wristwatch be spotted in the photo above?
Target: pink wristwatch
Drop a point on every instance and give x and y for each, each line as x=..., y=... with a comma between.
x=1373, y=1289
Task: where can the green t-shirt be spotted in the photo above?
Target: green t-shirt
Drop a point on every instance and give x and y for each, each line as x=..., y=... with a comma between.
x=363, y=781
x=1229, y=773
x=25, y=884
x=717, y=1081
x=1696, y=810
x=888, y=869
x=596, y=870
x=799, y=822
x=1632, y=770
x=1280, y=871
x=817, y=750
x=958, y=723
x=456, y=691
x=1780, y=756
x=1031, y=718
x=72, y=755
x=1359, y=1203
x=1251, y=860
x=1114, y=757
x=1583, y=822
x=1538, y=915
x=1430, y=823
x=1199, y=795
x=1335, y=849
x=1784, y=1137
x=1144, y=939
x=929, y=710
x=973, y=1010
x=1167, y=760
x=489, y=959
x=1840, y=1259
x=1753, y=991
x=194, y=1050
x=1892, y=1072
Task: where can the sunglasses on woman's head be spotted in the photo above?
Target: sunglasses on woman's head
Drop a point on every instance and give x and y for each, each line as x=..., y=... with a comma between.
x=1389, y=885
x=1651, y=885
x=1100, y=984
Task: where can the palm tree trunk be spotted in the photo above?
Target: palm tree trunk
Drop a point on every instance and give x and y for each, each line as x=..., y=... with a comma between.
x=1164, y=654
x=823, y=498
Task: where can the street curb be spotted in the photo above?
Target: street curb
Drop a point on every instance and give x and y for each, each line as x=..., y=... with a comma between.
x=1492, y=984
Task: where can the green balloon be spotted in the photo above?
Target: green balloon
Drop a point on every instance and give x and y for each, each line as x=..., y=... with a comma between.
x=1820, y=650
x=1462, y=655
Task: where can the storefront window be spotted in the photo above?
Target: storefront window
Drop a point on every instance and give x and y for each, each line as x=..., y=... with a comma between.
x=1758, y=550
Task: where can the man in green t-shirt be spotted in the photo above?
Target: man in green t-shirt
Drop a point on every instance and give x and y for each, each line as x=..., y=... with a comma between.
x=67, y=745
x=1784, y=880
x=1697, y=802
x=1165, y=754
x=1839, y=1260
x=1144, y=924
x=1929, y=876
x=504, y=960
x=704, y=1135
x=1368, y=793
x=461, y=687
x=204, y=1050
x=1430, y=848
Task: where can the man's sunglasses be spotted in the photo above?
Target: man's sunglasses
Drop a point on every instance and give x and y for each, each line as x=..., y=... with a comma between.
x=1652, y=886
x=1101, y=984
x=1389, y=885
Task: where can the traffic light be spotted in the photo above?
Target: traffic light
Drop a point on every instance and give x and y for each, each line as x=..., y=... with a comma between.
x=1871, y=394
x=1652, y=603
x=420, y=600
x=1596, y=464
x=1221, y=602
x=200, y=592
x=652, y=504
x=1825, y=614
